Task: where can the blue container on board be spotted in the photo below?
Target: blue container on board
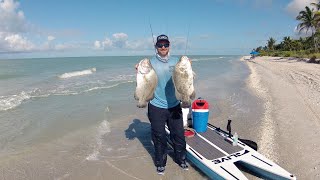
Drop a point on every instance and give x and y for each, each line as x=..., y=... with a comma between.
x=200, y=115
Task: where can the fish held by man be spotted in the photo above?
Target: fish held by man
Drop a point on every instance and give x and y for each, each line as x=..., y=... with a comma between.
x=146, y=83
x=183, y=81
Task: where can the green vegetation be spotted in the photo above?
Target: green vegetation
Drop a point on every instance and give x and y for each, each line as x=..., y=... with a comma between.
x=304, y=47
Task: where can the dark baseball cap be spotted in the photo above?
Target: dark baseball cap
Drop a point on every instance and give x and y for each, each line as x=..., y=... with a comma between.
x=163, y=37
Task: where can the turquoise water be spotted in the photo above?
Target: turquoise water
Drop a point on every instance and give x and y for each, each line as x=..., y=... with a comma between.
x=75, y=106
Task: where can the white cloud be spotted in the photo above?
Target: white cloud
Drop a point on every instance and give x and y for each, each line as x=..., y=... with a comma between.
x=10, y=42
x=120, y=36
x=18, y=43
x=48, y=45
x=139, y=45
x=11, y=20
x=303, y=33
x=14, y=29
x=17, y=35
x=8, y=5
x=65, y=46
x=118, y=40
x=51, y=38
x=295, y=6
x=107, y=43
x=121, y=41
x=12, y=25
x=97, y=45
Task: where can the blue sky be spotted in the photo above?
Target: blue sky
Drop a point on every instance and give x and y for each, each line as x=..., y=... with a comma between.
x=37, y=28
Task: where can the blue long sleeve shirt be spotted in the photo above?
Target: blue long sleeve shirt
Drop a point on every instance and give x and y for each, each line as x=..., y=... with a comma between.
x=164, y=96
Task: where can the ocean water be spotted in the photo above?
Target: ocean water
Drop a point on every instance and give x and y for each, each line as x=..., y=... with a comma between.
x=58, y=115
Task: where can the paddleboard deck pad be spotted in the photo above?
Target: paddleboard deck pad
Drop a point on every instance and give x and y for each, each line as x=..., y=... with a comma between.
x=214, y=154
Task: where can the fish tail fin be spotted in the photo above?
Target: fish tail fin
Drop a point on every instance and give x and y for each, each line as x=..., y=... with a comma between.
x=142, y=104
x=185, y=104
x=135, y=96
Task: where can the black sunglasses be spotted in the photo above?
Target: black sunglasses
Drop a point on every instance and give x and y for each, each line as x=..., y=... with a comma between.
x=159, y=45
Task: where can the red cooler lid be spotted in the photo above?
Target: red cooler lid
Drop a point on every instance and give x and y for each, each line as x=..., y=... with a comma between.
x=200, y=104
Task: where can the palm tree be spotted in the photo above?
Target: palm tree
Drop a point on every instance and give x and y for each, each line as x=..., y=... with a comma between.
x=297, y=45
x=258, y=49
x=308, y=22
x=271, y=42
x=316, y=5
x=287, y=43
x=317, y=18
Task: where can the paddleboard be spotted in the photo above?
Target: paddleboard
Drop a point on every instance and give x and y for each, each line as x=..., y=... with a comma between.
x=214, y=153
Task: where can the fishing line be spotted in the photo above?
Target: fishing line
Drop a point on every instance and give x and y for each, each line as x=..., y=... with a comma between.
x=155, y=50
x=185, y=52
x=167, y=27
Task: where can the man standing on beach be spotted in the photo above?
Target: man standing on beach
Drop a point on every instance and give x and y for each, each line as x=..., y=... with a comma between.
x=164, y=108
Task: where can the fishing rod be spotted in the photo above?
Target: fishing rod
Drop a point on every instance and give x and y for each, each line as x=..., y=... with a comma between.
x=155, y=50
x=185, y=52
x=187, y=40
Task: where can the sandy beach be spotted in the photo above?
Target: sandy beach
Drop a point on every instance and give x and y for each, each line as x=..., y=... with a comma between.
x=289, y=134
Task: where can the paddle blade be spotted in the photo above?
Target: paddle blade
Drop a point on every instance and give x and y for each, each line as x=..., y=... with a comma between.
x=250, y=143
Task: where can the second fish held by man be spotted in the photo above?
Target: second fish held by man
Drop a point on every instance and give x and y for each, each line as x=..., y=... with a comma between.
x=183, y=81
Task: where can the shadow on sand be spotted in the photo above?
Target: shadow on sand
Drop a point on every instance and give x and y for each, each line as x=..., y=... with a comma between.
x=141, y=131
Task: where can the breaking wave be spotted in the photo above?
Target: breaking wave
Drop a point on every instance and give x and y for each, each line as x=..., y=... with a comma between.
x=102, y=130
x=77, y=73
x=208, y=59
x=12, y=101
x=123, y=77
x=107, y=87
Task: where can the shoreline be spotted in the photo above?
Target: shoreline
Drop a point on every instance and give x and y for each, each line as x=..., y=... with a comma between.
x=267, y=130
x=290, y=124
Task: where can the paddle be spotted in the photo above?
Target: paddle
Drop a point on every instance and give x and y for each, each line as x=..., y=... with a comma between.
x=248, y=142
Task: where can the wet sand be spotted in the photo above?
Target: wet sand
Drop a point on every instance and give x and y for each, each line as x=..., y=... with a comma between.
x=123, y=152
x=289, y=134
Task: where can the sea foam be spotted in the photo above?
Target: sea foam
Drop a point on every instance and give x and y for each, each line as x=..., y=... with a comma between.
x=207, y=58
x=10, y=102
x=103, y=129
x=77, y=73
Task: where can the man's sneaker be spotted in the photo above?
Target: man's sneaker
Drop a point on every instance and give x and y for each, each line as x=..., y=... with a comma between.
x=160, y=170
x=184, y=166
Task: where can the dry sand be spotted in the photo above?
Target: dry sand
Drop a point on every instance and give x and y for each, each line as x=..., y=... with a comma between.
x=289, y=134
